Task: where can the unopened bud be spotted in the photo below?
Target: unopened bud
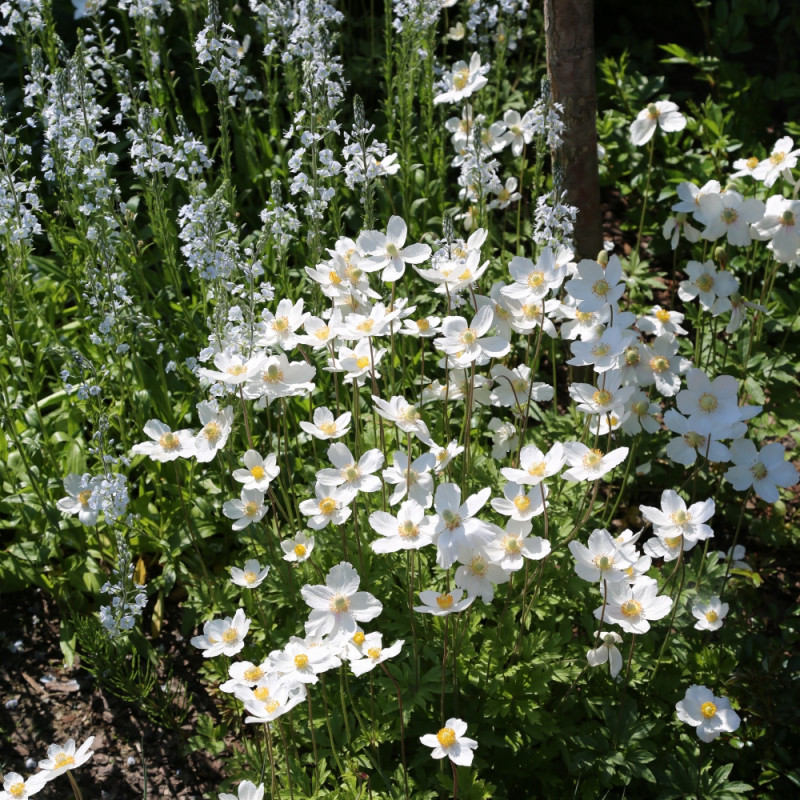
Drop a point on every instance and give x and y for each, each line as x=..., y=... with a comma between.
x=602, y=258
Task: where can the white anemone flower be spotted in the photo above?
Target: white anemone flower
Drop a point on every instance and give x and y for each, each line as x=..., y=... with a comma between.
x=512, y=545
x=662, y=114
x=405, y=415
x=249, y=508
x=246, y=790
x=60, y=758
x=588, y=464
x=535, y=466
x=213, y=436
x=456, y=525
x=710, y=614
x=602, y=558
x=595, y=285
x=606, y=651
x=451, y=742
x=232, y=369
x=518, y=504
x=330, y=506
x=463, y=81
x=250, y=576
x=632, y=607
x=675, y=519
x=338, y=606
x=710, y=715
x=386, y=251
x=440, y=604
x=259, y=472
x=764, y=470
x=467, y=344
x=409, y=530
x=299, y=548
x=15, y=787
x=351, y=476
x=79, y=490
x=781, y=161
x=223, y=636
x=373, y=653
x=325, y=426
x=418, y=476
x=301, y=661
x=167, y=445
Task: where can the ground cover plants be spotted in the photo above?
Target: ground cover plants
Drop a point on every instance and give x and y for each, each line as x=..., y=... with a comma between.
x=299, y=357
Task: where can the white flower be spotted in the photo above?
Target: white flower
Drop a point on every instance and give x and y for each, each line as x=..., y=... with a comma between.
x=456, y=525
x=765, y=470
x=409, y=530
x=79, y=489
x=663, y=114
x=166, y=445
x=511, y=546
x=712, y=287
x=730, y=215
x=463, y=81
x=373, y=653
x=518, y=504
x=329, y=507
x=595, y=285
x=451, y=742
x=675, y=519
x=631, y=607
x=780, y=162
x=338, y=606
x=250, y=576
x=710, y=715
x=249, y=508
x=404, y=415
x=216, y=428
x=535, y=466
x=387, y=252
x=466, y=344
x=444, y=455
x=15, y=787
x=349, y=476
x=302, y=661
x=279, y=328
x=271, y=698
x=223, y=636
x=712, y=405
x=246, y=790
x=780, y=226
x=325, y=426
x=60, y=759
x=709, y=614
x=602, y=558
x=259, y=472
x=278, y=377
x=418, y=475
x=298, y=549
x=606, y=651
x=442, y=604
x=590, y=465
x=232, y=369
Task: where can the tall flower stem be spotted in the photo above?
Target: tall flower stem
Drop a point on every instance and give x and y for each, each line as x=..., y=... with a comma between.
x=402, y=727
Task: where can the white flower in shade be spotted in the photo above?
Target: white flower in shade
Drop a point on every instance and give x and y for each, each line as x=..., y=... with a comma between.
x=467, y=344
x=535, y=466
x=79, y=489
x=441, y=604
x=338, y=605
x=675, y=519
x=730, y=215
x=642, y=415
x=602, y=353
x=713, y=288
x=373, y=653
x=386, y=251
x=511, y=546
x=685, y=448
x=351, y=476
x=249, y=508
x=444, y=455
x=405, y=415
x=781, y=161
x=15, y=787
x=246, y=790
x=456, y=525
x=298, y=549
x=217, y=425
x=764, y=470
x=259, y=472
x=167, y=445
x=662, y=114
x=301, y=661
x=690, y=195
x=710, y=715
x=709, y=614
x=712, y=405
x=512, y=388
x=505, y=437
x=596, y=286
x=60, y=759
x=330, y=506
x=409, y=530
x=735, y=555
x=590, y=464
x=250, y=576
x=518, y=504
x=223, y=636
x=478, y=574
x=602, y=558
x=606, y=651
x=666, y=366
x=781, y=227
x=632, y=607
x=451, y=742
x=679, y=224
x=272, y=698
x=419, y=476
x=325, y=426
x=463, y=81
x=232, y=369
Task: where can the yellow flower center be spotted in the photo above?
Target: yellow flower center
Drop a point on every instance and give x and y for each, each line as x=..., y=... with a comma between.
x=272, y=706
x=673, y=541
x=479, y=566
x=461, y=78
x=451, y=519
x=408, y=530
x=261, y=693
x=231, y=635
x=253, y=674
x=250, y=508
x=592, y=458
x=391, y=250
x=603, y=562
x=537, y=470
x=712, y=616
x=328, y=428
x=351, y=473
x=662, y=315
x=280, y=324
x=601, y=350
x=652, y=111
x=299, y=550
x=444, y=601
x=366, y=326
x=680, y=518
x=300, y=660
x=729, y=216
x=339, y=604
x=512, y=545
x=258, y=473
x=788, y=218
x=17, y=789
x=63, y=760
x=752, y=162
x=708, y=709
x=423, y=324
x=777, y=158
x=83, y=497
x=358, y=638
x=694, y=440
x=522, y=502
x=600, y=288
x=212, y=432
x=446, y=737
x=334, y=278
x=374, y=653
x=327, y=505
x=169, y=441
x=536, y=279
x=362, y=362
x=272, y=374
x=250, y=577
x=640, y=407
x=705, y=282
x=324, y=332
x=708, y=402
x=602, y=397
x=659, y=364
x=631, y=608
x=468, y=336
x=632, y=356
x=584, y=316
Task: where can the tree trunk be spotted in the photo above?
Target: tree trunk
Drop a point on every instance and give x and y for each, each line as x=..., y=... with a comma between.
x=569, y=32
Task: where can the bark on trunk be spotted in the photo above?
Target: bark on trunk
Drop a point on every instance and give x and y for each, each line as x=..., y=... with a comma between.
x=569, y=32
